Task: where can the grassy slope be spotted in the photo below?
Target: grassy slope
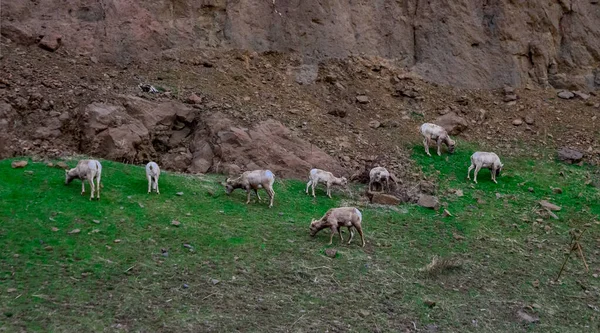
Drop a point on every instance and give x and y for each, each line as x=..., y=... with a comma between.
x=272, y=275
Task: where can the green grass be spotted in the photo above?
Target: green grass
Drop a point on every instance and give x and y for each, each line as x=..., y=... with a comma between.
x=273, y=277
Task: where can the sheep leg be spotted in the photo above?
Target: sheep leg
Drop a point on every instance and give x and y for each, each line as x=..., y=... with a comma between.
x=331, y=236
x=351, y=235
x=98, y=186
x=149, y=183
x=494, y=175
x=271, y=194
x=82, y=186
x=477, y=168
x=314, y=184
x=341, y=237
x=426, y=145
x=387, y=186
x=370, y=182
x=471, y=167
x=308, y=185
x=156, y=183
x=92, y=189
x=360, y=232
x=256, y=192
x=329, y=190
x=247, y=196
x=439, y=146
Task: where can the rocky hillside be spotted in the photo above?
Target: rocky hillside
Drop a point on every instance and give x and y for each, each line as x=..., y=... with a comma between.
x=465, y=43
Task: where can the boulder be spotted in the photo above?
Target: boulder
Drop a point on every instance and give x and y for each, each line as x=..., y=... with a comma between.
x=383, y=199
x=362, y=99
x=452, y=123
x=18, y=33
x=565, y=94
x=374, y=124
x=581, y=95
x=517, y=122
x=268, y=144
x=429, y=201
x=570, y=155
x=50, y=42
x=529, y=120
x=338, y=113
x=109, y=132
x=18, y=164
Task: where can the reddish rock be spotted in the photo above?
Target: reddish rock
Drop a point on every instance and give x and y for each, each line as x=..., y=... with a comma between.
x=18, y=164
x=50, y=42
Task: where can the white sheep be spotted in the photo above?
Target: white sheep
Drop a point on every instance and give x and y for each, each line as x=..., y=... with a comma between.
x=380, y=175
x=152, y=173
x=317, y=176
x=253, y=180
x=335, y=218
x=86, y=170
x=485, y=160
x=438, y=133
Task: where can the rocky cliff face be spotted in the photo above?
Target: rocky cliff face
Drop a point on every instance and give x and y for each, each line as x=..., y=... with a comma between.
x=468, y=43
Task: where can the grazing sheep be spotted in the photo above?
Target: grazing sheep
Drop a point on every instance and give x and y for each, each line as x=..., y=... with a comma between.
x=317, y=176
x=485, y=160
x=86, y=169
x=152, y=173
x=438, y=133
x=335, y=218
x=380, y=175
x=253, y=180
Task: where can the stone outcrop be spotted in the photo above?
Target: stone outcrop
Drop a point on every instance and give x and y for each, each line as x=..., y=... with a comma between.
x=468, y=43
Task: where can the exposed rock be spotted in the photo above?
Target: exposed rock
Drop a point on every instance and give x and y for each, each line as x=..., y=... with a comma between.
x=194, y=99
x=442, y=54
x=427, y=187
x=452, y=123
x=18, y=164
x=527, y=318
x=581, y=95
x=338, y=113
x=570, y=155
x=306, y=74
x=510, y=98
x=383, y=198
x=566, y=94
x=390, y=123
x=549, y=205
x=267, y=144
x=529, y=120
x=20, y=34
x=517, y=122
x=362, y=99
x=50, y=42
x=374, y=124
x=331, y=253
x=429, y=201
x=62, y=165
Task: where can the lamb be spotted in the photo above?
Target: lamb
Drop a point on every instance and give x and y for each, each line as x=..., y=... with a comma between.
x=152, y=173
x=317, y=176
x=253, y=180
x=380, y=175
x=335, y=218
x=86, y=170
x=435, y=132
x=485, y=160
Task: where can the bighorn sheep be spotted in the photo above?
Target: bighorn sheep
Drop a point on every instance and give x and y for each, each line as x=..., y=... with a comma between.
x=253, y=180
x=380, y=175
x=485, y=160
x=335, y=218
x=438, y=133
x=317, y=176
x=86, y=170
x=152, y=173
